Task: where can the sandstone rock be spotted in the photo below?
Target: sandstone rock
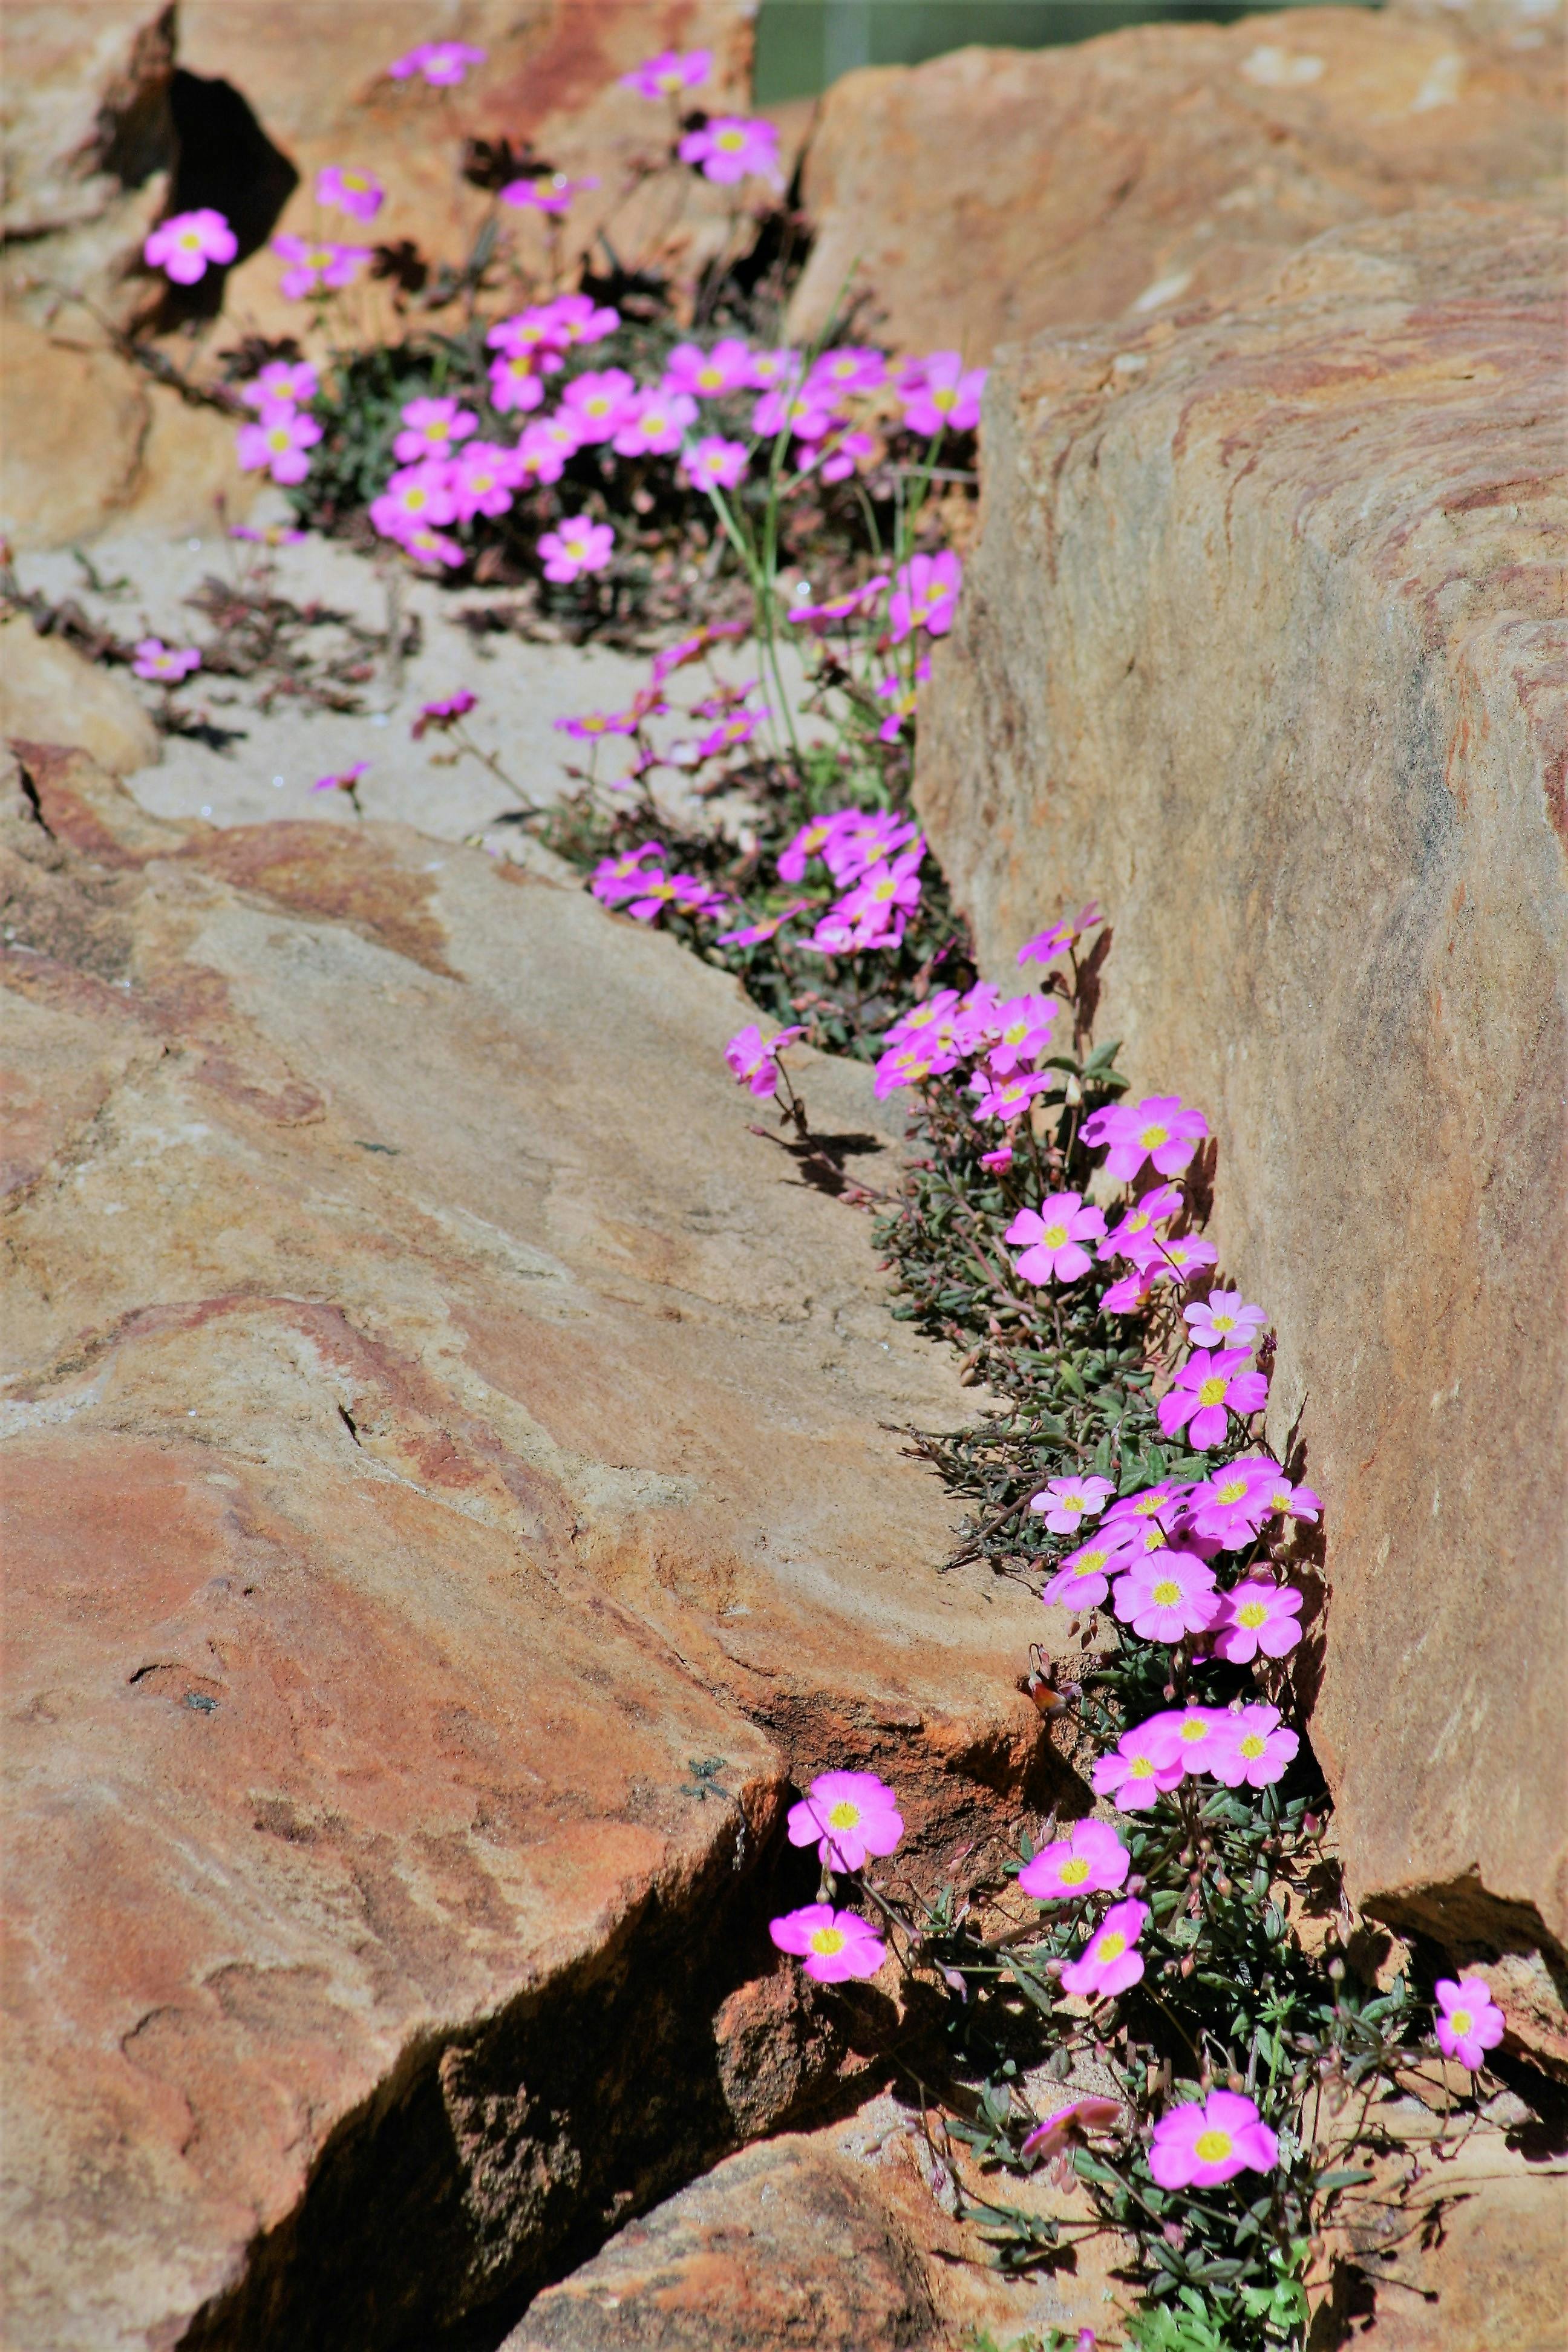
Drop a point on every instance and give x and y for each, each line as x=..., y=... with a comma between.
x=991, y=193
x=48, y=691
x=1264, y=646
x=73, y=418
x=450, y=1498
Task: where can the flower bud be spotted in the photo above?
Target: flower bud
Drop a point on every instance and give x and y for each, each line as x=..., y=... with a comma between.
x=1188, y=1964
x=1337, y=1970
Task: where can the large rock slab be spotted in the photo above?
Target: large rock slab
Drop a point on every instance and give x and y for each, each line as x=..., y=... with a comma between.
x=1264, y=646
x=434, y=1426
x=991, y=193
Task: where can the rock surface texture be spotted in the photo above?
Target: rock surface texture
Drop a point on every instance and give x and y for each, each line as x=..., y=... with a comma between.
x=1265, y=647
x=448, y=1500
x=993, y=193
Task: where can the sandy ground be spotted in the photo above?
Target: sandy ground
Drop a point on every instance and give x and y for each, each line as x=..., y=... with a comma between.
x=522, y=689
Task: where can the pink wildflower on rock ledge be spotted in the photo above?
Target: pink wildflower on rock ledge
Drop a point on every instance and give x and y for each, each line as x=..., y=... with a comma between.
x=731, y=147
x=714, y=463
x=1161, y=1127
x=1109, y=1961
x=430, y=427
x=1166, y=1596
x=1200, y=2147
x=164, y=664
x=1469, y=2022
x=314, y=268
x=442, y=64
x=1255, y=1748
x=1066, y=1501
x=183, y=247
x=1054, y=1234
x=550, y=193
x=1090, y=1859
x=577, y=545
x=1084, y=2115
x=1224, y=1319
x=1258, y=1615
x=350, y=191
x=671, y=74
x=1138, y=1769
x=925, y=595
x=846, y=1815
x=939, y=392
x=753, y=1059
x=1046, y=946
x=1211, y=1385
x=832, y=1944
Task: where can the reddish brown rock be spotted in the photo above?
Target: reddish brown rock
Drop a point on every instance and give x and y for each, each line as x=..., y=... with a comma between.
x=1264, y=646
x=991, y=193
x=433, y=1431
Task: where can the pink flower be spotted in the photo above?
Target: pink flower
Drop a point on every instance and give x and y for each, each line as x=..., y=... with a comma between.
x=998, y=1160
x=706, y=375
x=714, y=463
x=1192, y=1736
x=547, y=192
x=345, y=780
x=769, y=368
x=1130, y=1295
x=1110, y=1962
x=1046, y=946
x=281, y=383
x=443, y=63
x=444, y=714
x=350, y=191
x=691, y=648
x=1291, y=1502
x=939, y=392
x=852, y=1814
x=752, y=935
x=1162, y=1505
x=1468, y=2020
x=574, y=318
x=1233, y=1505
x=923, y=1020
x=592, y=724
x=751, y=1055
x=1166, y=1595
x=272, y=534
x=1090, y=1859
x=1199, y=2147
x=614, y=878
x=866, y=837
x=1138, y=1769
x=482, y=478
x=653, y=423
x=737, y=728
x=1054, y=1234
x=425, y=545
x=314, y=267
x=885, y=891
x=1211, y=1385
x=1048, y=2139
x=1161, y=1128
x=1082, y=1580
x=599, y=402
x=807, y=418
x=925, y=595
x=845, y=453
x=904, y=698
x=1066, y=1501
x=1181, y=1255
x=850, y=368
x=833, y=1944
x=1257, y=1748
x=730, y=148
x=549, y=444
x=277, y=441
x=165, y=665
x=430, y=429
x=1132, y=1236
x=671, y=74
x=415, y=497
x=183, y=246
x=1224, y=1319
x=513, y=383
x=1007, y=1098
x=1258, y=1615
x=1024, y=1031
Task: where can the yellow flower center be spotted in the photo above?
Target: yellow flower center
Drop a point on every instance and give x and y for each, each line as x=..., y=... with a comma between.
x=1223, y=1322
x=1460, y=2019
x=946, y=398
x=1054, y=1236
x=1212, y=1391
x=1252, y=1612
x=318, y=259
x=844, y=1815
x=1212, y=2147
x=1233, y=1490
x=1146, y=1505
x=1153, y=1538
x=190, y=241
x=1142, y=1768
x=1091, y=1564
x=731, y=142
x=415, y=497
x=1251, y=1744
x=353, y=179
x=1016, y=1033
x=278, y=438
x=1074, y=1871
x=885, y=889
x=1110, y=1946
x=1166, y=1592
x=1192, y=1729
x=1152, y=1137
x=825, y=1941
x=1280, y=1498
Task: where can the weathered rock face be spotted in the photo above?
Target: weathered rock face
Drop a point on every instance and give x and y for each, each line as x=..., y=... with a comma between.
x=991, y=193
x=1264, y=646
x=448, y=1498
x=46, y=687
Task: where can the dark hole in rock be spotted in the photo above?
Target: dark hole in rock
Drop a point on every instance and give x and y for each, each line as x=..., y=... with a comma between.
x=224, y=160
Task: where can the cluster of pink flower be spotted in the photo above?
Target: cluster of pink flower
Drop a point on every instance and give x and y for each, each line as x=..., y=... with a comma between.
x=1156, y=1547
x=285, y=430
x=636, y=880
x=163, y=664
x=848, y=1817
x=874, y=859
